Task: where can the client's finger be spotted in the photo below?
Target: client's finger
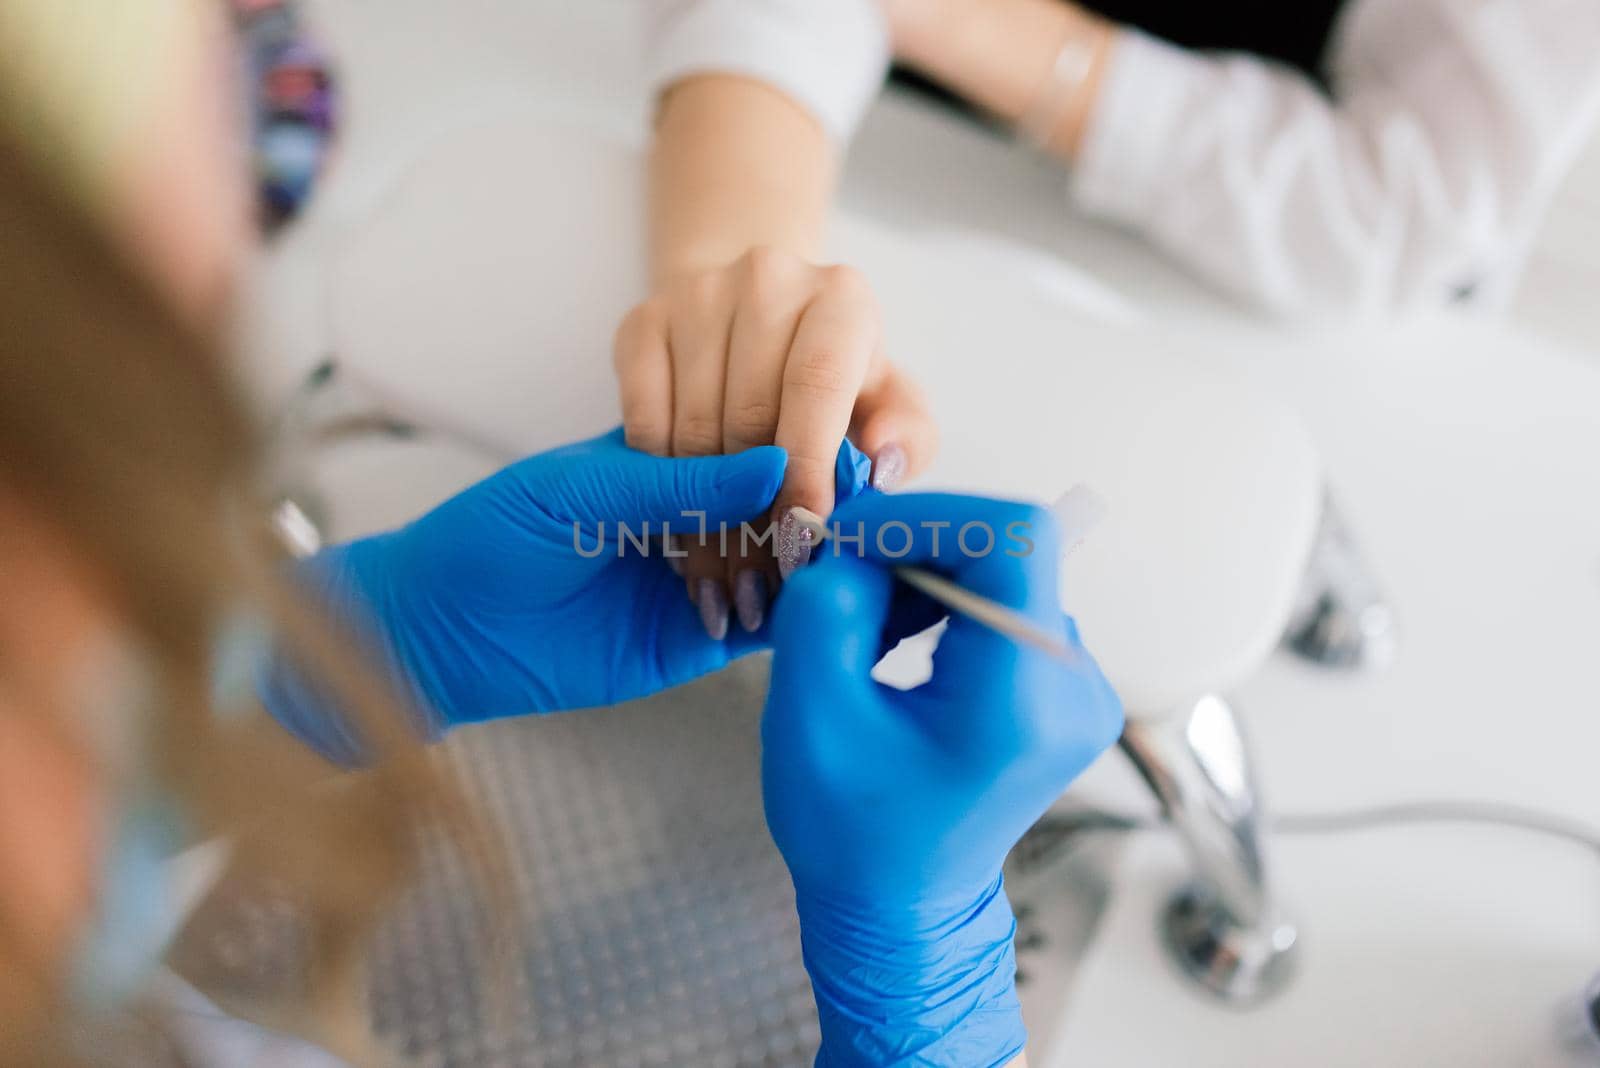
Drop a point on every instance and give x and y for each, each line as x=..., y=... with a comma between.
x=644, y=377
x=826, y=367
x=773, y=292
x=893, y=425
x=698, y=338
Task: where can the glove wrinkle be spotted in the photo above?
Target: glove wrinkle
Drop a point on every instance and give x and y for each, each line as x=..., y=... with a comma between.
x=935, y=986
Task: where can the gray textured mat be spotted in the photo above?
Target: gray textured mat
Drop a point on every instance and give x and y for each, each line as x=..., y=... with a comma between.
x=657, y=916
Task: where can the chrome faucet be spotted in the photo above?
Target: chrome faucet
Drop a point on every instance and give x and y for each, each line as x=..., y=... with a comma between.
x=1341, y=619
x=1224, y=928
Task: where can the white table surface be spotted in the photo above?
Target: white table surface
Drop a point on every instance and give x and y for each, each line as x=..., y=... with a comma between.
x=1466, y=455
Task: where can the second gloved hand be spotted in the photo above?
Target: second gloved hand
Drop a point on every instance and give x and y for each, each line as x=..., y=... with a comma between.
x=894, y=810
x=488, y=607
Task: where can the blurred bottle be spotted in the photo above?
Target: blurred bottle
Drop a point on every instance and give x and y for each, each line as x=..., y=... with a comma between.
x=292, y=105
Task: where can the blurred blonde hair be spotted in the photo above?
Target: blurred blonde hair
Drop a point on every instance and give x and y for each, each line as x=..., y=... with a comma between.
x=121, y=427
x=82, y=77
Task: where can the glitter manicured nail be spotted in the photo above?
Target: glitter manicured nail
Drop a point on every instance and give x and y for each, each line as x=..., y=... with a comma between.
x=889, y=469
x=713, y=604
x=750, y=599
x=795, y=540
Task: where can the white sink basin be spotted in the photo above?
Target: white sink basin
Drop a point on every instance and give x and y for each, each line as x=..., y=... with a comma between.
x=1424, y=946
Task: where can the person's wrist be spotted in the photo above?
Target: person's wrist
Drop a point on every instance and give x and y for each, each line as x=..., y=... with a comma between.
x=1061, y=111
x=935, y=979
x=720, y=253
x=376, y=588
x=1001, y=54
x=925, y=33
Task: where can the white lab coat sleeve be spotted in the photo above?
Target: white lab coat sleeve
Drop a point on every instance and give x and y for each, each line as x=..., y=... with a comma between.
x=829, y=56
x=1422, y=178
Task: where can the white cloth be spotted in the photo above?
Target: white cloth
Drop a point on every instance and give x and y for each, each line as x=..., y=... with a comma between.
x=1451, y=124
x=829, y=55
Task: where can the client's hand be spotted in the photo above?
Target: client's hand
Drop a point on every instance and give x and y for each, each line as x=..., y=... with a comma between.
x=895, y=809
x=523, y=594
x=768, y=350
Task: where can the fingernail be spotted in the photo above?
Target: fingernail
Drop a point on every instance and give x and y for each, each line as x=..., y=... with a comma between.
x=795, y=540
x=889, y=468
x=713, y=608
x=750, y=599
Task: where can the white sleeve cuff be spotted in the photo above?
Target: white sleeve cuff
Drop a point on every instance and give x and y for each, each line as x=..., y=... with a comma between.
x=829, y=56
x=1148, y=90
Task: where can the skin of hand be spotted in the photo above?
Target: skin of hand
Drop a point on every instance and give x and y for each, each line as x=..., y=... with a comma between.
x=747, y=340
x=999, y=54
x=895, y=809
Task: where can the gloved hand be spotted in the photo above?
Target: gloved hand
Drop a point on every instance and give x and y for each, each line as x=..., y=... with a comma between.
x=894, y=810
x=486, y=607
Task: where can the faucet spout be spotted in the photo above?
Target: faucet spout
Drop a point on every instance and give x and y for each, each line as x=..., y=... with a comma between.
x=1224, y=928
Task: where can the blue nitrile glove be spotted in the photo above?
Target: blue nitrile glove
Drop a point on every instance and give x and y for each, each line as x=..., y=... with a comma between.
x=894, y=810
x=486, y=607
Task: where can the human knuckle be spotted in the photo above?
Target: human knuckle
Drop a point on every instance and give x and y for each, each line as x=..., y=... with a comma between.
x=751, y=420
x=808, y=475
x=768, y=286
x=697, y=433
x=643, y=430
x=641, y=315
x=845, y=280
x=701, y=291
x=817, y=373
x=767, y=262
x=635, y=327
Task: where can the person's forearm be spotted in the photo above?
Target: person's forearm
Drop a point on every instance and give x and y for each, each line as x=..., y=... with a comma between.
x=736, y=165
x=1001, y=55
